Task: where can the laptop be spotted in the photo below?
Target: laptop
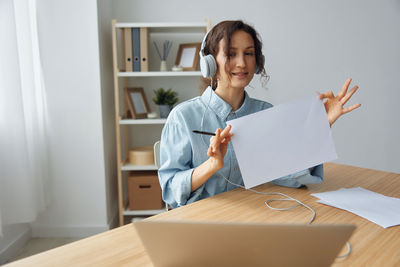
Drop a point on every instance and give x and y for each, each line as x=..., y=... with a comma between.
x=173, y=243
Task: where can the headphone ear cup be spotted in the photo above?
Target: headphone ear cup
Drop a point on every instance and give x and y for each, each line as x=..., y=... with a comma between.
x=212, y=66
x=208, y=66
x=204, y=67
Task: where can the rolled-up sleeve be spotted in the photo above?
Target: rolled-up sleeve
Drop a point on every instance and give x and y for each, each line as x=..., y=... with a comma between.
x=175, y=164
x=298, y=179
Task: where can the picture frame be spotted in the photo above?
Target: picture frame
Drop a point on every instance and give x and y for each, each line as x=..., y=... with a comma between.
x=188, y=56
x=137, y=105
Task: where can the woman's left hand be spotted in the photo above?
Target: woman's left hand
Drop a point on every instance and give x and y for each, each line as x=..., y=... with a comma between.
x=334, y=104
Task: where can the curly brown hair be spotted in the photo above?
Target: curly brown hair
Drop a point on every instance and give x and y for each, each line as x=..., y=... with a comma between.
x=224, y=31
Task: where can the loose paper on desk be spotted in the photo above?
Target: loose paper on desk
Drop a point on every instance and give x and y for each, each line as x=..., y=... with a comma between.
x=380, y=209
x=282, y=140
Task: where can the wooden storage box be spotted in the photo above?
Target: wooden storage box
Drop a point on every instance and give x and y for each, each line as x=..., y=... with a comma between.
x=144, y=191
x=143, y=155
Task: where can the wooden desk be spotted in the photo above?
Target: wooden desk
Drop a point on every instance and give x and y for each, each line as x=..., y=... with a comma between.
x=371, y=244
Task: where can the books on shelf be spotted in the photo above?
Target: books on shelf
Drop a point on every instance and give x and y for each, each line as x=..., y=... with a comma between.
x=136, y=48
x=127, y=43
x=144, y=49
x=135, y=42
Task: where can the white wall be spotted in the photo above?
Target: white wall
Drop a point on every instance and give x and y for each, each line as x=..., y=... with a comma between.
x=316, y=45
x=68, y=36
x=107, y=91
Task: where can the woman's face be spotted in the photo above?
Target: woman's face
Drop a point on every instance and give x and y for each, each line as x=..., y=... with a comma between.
x=240, y=68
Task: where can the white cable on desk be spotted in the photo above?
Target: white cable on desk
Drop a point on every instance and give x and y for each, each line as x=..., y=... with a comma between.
x=289, y=208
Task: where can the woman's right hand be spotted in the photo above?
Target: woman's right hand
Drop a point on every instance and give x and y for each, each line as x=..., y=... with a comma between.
x=216, y=152
x=219, y=146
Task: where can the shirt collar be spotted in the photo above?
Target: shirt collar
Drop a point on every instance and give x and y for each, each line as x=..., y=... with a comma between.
x=219, y=106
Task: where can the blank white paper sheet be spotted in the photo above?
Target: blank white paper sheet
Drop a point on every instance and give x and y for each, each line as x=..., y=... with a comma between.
x=377, y=208
x=282, y=140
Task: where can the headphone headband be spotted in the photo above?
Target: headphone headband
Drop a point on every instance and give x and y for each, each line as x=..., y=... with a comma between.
x=203, y=44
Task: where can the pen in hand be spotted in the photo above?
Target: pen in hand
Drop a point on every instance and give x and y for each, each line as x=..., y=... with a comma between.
x=201, y=132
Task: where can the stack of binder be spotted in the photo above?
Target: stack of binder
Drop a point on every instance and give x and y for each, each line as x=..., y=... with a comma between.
x=135, y=42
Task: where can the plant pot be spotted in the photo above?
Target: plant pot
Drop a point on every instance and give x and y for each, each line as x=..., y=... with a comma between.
x=165, y=110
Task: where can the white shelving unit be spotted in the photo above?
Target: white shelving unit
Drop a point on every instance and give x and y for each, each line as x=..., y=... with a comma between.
x=142, y=121
x=128, y=212
x=131, y=167
x=120, y=80
x=164, y=25
x=159, y=74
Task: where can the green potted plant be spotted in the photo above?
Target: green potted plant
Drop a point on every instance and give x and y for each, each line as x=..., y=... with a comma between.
x=165, y=99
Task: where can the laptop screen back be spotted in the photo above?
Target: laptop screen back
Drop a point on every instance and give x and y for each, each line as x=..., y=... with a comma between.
x=171, y=243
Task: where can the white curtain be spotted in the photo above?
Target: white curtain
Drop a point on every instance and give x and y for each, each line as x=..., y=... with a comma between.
x=23, y=116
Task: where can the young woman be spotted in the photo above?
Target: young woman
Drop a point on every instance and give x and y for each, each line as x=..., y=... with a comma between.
x=193, y=166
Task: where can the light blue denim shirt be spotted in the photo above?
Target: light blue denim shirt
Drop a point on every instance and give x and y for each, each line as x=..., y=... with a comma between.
x=181, y=150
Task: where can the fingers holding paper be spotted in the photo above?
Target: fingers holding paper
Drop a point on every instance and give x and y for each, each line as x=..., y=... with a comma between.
x=334, y=104
x=219, y=146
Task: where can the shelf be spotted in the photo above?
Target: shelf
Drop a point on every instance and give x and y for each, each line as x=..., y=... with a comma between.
x=131, y=167
x=142, y=121
x=159, y=74
x=128, y=212
x=162, y=25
